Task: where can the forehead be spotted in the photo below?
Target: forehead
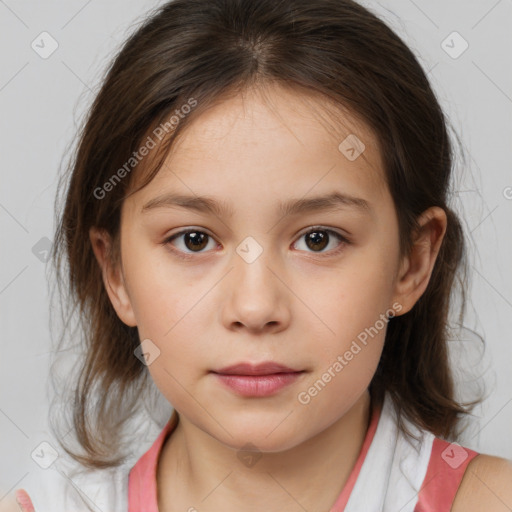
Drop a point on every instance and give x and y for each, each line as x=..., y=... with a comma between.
x=269, y=144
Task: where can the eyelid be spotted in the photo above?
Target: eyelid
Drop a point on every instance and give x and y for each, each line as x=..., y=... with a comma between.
x=329, y=229
x=185, y=230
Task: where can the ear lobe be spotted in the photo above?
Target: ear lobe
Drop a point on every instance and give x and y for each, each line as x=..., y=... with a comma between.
x=416, y=269
x=112, y=275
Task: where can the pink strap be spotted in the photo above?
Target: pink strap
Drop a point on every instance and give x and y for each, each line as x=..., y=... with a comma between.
x=341, y=502
x=446, y=467
x=142, y=491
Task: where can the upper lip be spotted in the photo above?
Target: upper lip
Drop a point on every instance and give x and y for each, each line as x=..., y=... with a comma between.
x=266, y=368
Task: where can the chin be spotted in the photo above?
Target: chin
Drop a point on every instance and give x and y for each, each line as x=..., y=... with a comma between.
x=260, y=440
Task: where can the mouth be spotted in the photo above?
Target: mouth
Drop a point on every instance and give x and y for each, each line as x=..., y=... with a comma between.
x=257, y=380
x=266, y=368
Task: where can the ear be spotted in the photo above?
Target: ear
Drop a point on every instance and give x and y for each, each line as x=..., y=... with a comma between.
x=416, y=268
x=112, y=274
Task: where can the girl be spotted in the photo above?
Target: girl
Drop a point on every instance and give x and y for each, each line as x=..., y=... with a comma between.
x=257, y=219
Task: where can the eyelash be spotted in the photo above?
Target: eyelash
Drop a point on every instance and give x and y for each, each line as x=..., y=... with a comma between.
x=187, y=256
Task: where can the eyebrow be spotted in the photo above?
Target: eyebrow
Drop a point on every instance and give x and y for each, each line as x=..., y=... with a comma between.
x=206, y=204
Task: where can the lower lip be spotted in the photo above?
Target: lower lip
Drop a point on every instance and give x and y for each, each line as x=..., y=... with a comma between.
x=258, y=385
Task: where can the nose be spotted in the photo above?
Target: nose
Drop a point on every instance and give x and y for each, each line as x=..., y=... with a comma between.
x=256, y=296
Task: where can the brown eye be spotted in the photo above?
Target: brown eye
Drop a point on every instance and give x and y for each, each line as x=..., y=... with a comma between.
x=191, y=240
x=195, y=240
x=317, y=239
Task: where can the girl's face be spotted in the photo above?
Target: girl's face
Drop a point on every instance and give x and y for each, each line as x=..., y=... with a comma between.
x=310, y=286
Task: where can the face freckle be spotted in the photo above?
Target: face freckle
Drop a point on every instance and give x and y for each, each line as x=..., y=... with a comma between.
x=251, y=297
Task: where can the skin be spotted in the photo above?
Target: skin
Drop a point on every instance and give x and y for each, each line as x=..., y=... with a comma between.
x=291, y=305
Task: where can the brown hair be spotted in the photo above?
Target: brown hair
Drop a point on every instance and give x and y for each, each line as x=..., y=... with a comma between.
x=204, y=50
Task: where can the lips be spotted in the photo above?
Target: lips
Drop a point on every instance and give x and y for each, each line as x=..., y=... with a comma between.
x=257, y=380
x=266, y=368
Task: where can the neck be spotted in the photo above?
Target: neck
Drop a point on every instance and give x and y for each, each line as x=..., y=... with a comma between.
x=195, y=471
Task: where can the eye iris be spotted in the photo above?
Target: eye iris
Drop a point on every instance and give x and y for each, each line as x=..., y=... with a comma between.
x=195, y=240
x=317, y=240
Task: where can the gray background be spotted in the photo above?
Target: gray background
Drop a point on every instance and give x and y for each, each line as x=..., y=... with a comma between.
x=42, y=100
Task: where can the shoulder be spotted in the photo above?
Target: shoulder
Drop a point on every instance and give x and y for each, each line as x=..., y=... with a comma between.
x=486, y=485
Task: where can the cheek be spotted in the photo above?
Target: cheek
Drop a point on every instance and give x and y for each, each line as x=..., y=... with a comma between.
x=160, y=294
x=353, y=304
x=356, y=310
x=167, y=309
x=351, y=298
x=166, y=306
